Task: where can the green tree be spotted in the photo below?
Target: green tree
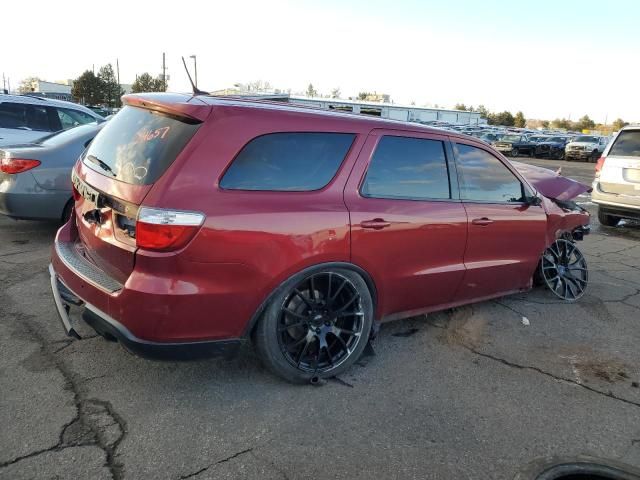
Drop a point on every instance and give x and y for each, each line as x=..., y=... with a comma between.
x=311, y=92
x=544, y=124
x=335, y=93
x=562, y=123
x=484, y=113
x=585, y=123
x=26, y=85
x=111, y=90
x=87, y=89
x=146, y=83
x=519, y=120
x=618, y=123
x=503, y=118
x=460, y=106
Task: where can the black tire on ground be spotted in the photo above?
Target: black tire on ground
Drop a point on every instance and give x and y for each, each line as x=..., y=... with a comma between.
x=607, y=220
x=560, y=155
x=66, y=211
x=514, y=152
x=594, y=156
x=309, y=329
x=532, y=153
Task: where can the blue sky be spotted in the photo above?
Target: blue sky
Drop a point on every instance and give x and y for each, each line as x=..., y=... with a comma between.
x=548, y=59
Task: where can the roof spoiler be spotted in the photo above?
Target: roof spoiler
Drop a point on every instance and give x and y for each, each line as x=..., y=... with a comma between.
x=186, y=106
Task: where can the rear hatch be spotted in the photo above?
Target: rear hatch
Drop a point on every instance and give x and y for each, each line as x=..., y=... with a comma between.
x=118, y=170
x=620, y=172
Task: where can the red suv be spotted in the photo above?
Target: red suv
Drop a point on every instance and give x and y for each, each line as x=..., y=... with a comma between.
x=201, y=222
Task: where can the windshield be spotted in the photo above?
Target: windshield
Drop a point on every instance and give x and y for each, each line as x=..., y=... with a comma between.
x=557, y=139
x=64, y=136
x=586, y=139
x=511, y=138
x=137, y=145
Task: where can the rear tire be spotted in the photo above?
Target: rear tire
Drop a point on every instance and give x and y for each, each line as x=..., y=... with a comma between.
x=607, y=220
x=594, y=156
x=515, y=152
x=316, y=326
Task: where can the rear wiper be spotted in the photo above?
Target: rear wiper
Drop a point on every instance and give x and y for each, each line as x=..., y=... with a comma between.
x=103, y=165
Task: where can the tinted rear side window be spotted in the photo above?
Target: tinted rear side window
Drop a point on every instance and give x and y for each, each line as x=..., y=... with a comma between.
x=409, y=168
x=24, y=116
x=484, y=178
x=627, y=144
x=138, y=145
x=294, y=162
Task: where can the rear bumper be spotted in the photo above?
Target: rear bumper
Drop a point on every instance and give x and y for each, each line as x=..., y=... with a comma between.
x=66, y=300
x=22, y=198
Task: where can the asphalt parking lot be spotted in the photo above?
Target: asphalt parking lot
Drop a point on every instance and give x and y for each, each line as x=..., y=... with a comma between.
x=469, y=393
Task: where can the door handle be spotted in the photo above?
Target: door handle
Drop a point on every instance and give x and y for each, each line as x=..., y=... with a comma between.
x=484, y=221
x=375, y=224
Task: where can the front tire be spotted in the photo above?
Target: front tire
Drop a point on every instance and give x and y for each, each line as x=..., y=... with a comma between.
x=515, y=152
x=316, y=326
x=607, y=220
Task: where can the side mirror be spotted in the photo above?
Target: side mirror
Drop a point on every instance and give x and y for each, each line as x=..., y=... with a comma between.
x=534, y=201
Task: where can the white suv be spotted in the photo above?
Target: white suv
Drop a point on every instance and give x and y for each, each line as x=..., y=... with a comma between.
x=25, y=118
x=616, y=188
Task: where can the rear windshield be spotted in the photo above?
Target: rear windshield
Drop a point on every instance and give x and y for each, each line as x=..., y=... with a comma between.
x=627, y=144
x=138, y=145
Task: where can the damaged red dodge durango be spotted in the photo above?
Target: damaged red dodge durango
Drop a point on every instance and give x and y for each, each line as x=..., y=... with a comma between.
x=200, y=222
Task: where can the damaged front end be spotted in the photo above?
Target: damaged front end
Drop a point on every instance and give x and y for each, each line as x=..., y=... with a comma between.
x=563, y=267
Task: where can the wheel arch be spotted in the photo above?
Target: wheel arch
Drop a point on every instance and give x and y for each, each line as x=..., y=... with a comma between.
x=368, y=279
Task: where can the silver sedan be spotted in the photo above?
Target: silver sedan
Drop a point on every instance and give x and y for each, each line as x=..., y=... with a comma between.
x=35, y=178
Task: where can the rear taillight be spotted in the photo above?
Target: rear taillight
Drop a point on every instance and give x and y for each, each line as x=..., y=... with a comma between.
x=17, y=165
x=599, y=165
x=164, y=230
x=76, y=193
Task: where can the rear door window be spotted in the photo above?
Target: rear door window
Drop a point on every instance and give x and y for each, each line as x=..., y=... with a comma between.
x=288, y=161
x=407, y=168
x=138, y=145
x=627, y=144
x=484, y=178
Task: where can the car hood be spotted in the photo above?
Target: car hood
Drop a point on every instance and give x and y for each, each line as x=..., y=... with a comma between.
x=582, y=144
x=551, y=184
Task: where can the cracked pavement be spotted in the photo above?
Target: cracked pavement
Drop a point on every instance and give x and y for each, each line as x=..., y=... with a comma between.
x=467, y=393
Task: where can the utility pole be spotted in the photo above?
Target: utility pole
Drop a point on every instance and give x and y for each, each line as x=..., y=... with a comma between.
x=118, y=71
x=164, y=72
x=195, y=68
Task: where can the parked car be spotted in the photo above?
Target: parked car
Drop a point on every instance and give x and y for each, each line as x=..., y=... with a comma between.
x=515, y=145
x=616, y=188
x=202, y=222
x=552, y=147
x=35, y=179
x=24, y=118
x=585, y=147
x=490, y=137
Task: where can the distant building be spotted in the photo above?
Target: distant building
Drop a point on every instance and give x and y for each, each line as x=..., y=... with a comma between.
x=392, y=111
x=58, y=91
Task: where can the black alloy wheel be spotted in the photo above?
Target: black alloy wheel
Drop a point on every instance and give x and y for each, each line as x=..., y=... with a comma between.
x=317, y=326
x=321, y=322
x=564, y=270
